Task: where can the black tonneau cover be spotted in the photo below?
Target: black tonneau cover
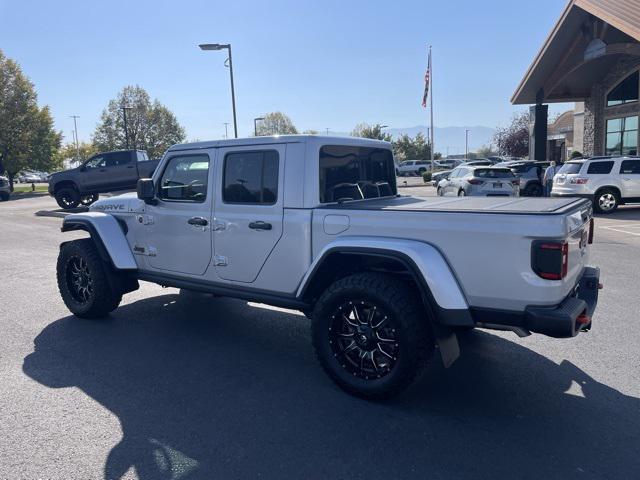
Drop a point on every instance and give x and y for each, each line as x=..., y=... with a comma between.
x=502, y=205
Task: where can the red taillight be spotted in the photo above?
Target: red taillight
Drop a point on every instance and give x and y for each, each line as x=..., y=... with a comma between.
x=578, y=181
x=474, y=181
x=550, y=260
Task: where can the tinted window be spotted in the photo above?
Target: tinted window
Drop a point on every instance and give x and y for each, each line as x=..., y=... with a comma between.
x=622, y=136
x=251, y=177
x=96, y=162
x=625, y=92
x=120, y=158
x=521, y=168
x=185, y=179
x=493, y=173
x=571, y=167
x=354, y=173
x=142, y=156
x=630, y=167
x=600, y=168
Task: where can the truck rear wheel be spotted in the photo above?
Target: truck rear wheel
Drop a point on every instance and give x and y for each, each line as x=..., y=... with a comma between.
x=371, y=335
x=83, y=282
x=67, y=198
x=87, y=200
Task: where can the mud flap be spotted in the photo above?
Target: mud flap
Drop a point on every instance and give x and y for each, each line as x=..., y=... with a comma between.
x=447, y=344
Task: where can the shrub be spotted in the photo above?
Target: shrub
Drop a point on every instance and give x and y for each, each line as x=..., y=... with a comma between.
x=426, y=177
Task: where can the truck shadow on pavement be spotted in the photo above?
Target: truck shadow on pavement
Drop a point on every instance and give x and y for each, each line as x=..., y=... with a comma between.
x=218, y=388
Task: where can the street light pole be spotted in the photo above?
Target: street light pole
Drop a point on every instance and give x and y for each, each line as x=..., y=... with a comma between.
x=75, y=127
x=220, y=46
x=255, y=125
x=466, y=144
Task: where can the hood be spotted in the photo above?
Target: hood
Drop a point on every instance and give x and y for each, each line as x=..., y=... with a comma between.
x=63, y=174
x=125, y=203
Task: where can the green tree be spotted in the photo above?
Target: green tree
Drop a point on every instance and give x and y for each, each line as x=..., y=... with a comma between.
x=364, y=130
x=69, y=151
x=412, y=148
x=151, y=126
x=27, y=137
x=486, y=151
x=276, y=123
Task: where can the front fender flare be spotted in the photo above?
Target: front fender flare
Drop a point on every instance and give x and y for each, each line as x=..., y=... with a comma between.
x=427, y=264
x=108, y=236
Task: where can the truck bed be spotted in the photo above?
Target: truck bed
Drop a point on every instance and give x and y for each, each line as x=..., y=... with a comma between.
x=497, y=205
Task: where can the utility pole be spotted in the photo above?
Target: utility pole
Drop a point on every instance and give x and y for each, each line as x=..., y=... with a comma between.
x=226, y=133
x=126, y=131
x=466, y=143
x=75, y=128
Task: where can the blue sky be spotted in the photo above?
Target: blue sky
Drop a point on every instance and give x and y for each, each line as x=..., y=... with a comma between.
x=328, y=64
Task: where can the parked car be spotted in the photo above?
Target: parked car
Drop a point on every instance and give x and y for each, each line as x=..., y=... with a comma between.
x=413, y=167
x=480, y=182
x=607, y=181
x=104, y=172
x=5, y=191
x=531, y=175
x=285, y=221
x=29, y=177
x=438, y=176
x=447, y=164
x=477, y=163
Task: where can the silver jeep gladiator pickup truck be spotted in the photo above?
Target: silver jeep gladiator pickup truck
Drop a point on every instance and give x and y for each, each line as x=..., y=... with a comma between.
x=316, y=224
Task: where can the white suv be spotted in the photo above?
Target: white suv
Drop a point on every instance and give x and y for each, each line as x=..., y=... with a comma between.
x=413, y=167
x=607, y=181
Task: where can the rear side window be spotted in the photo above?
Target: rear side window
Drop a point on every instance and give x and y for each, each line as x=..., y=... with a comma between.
x=185, y=179
x=251, y=177
x=630, y=167
x=571, y=167
x=493, y=173
x=118, y=158
x=354, y=173
x=600, y=168
x=142, y=156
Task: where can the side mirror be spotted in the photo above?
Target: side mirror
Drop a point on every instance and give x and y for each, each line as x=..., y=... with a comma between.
x=146, y=190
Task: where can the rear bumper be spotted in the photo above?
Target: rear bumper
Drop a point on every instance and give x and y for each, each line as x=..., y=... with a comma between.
x=564, y=320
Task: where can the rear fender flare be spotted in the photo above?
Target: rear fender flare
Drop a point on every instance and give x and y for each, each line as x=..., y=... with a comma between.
x=424, y=261
x=108, y=236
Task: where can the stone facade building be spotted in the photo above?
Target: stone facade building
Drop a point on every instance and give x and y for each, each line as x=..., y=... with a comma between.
x=591, y=57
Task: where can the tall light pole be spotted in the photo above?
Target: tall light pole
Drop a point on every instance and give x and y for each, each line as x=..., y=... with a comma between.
x=75, y=128
x=126, y=130
x=466, y=143
x=255, y=125
x=221, y=46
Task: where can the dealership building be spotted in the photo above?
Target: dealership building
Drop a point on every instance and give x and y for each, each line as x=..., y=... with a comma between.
x=591, y=57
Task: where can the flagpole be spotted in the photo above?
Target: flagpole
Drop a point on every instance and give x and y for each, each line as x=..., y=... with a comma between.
x=431, y=105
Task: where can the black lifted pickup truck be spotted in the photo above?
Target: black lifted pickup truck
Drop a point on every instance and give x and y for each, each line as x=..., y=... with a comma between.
x=104, y=172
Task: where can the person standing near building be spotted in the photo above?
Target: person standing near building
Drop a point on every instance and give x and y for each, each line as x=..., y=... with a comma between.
x=549, y=173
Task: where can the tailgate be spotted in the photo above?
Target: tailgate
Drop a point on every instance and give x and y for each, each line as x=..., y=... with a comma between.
x=579, y=224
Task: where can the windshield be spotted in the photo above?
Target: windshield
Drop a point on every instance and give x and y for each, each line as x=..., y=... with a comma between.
x=571, y=167
x=493, y=173
x=355, y=173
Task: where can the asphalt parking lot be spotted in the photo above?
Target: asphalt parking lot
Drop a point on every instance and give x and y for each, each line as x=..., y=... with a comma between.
x=172, y=388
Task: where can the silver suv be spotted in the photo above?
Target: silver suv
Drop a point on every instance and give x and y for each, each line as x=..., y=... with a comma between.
x=4, y=189
x=480, y=181
x=607, y=181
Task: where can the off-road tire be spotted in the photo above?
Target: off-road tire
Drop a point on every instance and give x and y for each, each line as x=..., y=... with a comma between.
x=67, y=198
x=414, y=334
x=102, y=298
x=606, y=194
x=87, y=200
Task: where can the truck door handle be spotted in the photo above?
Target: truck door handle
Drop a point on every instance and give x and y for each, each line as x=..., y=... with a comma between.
x=260, y=225
x=130, y=166
x=198, y=221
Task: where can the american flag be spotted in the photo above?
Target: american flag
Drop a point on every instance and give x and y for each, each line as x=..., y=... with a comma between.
x=427, y=77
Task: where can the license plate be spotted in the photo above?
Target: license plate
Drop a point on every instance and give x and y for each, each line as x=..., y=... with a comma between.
x=497, y=185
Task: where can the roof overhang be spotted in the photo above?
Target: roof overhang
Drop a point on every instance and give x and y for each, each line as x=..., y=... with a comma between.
x=588, y=39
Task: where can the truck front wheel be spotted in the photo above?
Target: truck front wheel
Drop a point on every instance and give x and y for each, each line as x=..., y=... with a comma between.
x=67, y=198
x=83, y=282
x=87, y=200
x=371, y=334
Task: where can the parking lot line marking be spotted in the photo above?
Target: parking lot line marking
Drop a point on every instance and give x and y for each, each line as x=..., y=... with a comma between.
x=622, y=231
